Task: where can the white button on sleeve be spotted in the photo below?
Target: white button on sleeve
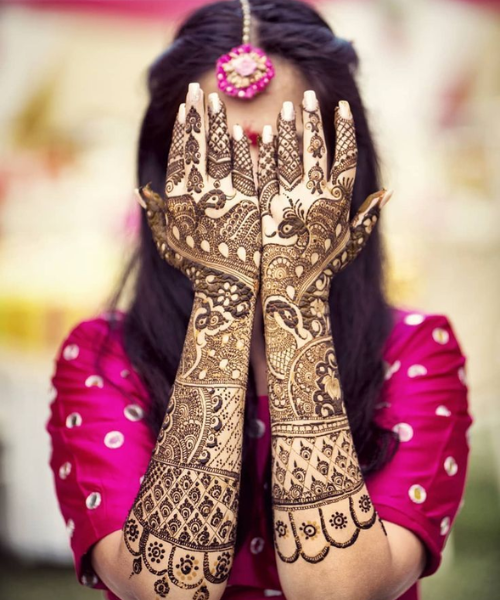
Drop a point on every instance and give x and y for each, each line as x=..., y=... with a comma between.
x=256, y=545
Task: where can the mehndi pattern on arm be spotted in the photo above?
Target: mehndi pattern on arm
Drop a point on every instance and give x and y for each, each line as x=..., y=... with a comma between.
x=319, y=497
x=182, y=527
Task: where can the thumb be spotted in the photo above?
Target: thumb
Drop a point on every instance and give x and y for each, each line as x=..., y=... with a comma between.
x=149, y=199
x=364, y=222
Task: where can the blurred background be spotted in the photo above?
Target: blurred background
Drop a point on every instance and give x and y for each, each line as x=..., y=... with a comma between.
x=72, y=75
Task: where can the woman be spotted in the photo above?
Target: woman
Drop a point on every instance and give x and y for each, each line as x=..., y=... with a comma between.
x=223, y=438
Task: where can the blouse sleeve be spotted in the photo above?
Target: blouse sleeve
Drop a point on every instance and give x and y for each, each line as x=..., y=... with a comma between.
x=424, y=400
x=101, y=444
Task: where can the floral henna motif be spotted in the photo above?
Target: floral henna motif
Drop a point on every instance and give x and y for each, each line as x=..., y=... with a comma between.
x=195, y=181
x=192, y=151
x=193, y=121
x=315, y=179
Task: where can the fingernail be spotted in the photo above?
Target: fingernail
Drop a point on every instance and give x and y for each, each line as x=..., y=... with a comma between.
x=193, y=92
x=288, y=111
x=140, y=198
x=214, y=102
x=310, y=100
x=238, y=133
x=344, y=109
x=386, y=198
x=182, y=114
x=267, y=134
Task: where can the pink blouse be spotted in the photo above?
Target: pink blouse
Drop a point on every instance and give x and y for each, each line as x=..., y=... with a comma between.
x=101, y=446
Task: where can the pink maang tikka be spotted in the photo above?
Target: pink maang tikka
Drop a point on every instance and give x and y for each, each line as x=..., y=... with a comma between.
x=245, y=70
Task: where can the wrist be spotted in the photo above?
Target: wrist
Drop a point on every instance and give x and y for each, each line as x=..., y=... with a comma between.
x=217, y=347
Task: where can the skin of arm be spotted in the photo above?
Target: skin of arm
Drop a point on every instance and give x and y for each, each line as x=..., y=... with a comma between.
x=178, y=540
x=329, y=541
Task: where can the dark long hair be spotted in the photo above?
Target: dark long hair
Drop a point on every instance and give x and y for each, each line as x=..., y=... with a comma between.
x=156, y=319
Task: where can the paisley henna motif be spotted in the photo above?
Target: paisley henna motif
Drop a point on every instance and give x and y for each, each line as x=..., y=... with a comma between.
x=319, y=497
x=181, y=530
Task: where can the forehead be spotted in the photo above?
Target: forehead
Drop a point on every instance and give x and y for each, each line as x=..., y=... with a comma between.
x=288, y=84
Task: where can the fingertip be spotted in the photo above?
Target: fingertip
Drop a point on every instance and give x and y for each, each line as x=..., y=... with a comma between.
x=140, y=199
x=386, y=197
x=288, y=111
x=194, y=92
x=214, y=102
x=238, y=133
x=267, y=134
x=344, y=109
x=310, y=102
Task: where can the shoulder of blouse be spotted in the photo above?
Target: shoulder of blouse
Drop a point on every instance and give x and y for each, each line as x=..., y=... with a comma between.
x=91, y=331
x=424, y=400
x=100, y=442
x=424, y=358
x=92, y=353
x=414, y=329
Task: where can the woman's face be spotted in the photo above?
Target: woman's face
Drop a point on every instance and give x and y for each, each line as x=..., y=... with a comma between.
x=288, y=84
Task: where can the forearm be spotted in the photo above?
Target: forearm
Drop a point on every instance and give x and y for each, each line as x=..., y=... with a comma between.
x=180, y=533
x=329, y=540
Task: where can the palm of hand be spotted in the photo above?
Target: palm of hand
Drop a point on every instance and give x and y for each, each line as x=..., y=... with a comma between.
x=208, y=226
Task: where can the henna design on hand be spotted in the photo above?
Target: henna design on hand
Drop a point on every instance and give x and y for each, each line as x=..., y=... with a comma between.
x=319, y=497
x=195, y=181
x=289, y=163
x=193, y=121
x=268, y=179
x=192, y=151
x=315, y=178
x=243, y=179
x=181, y=530
x=219, y=146
x=346, y=156
x=175, y=168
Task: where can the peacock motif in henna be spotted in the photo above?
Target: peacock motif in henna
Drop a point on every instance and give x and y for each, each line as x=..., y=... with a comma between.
x=181, y=529
x=319, y=497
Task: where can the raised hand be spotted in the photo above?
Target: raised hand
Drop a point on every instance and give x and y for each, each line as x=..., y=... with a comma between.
x=307, y=235
x=181, y=530
x=318, y=492
x=207, y=225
